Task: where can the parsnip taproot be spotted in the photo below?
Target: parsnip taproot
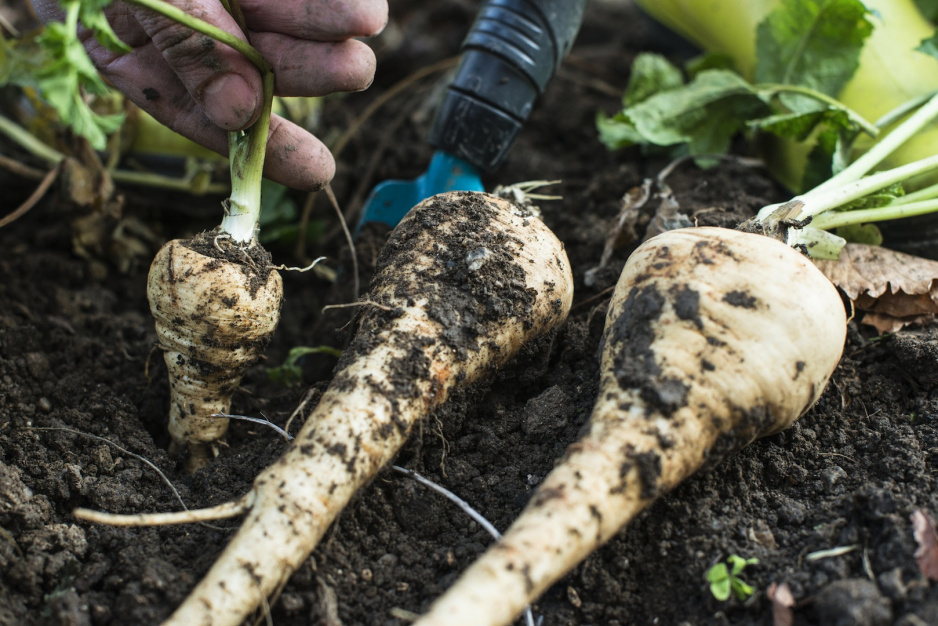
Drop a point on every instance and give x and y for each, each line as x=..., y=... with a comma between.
x=465, y=280
x=216, y=309
x=713, y=337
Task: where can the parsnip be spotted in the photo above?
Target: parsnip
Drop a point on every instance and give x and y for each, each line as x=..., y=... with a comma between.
x=713, y=338
x=214, y=317
x=463, y=283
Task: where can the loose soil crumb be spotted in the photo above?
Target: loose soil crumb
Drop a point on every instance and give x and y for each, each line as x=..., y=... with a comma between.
x=77, y=359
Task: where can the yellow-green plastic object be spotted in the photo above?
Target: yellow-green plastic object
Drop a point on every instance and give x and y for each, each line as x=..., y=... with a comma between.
x=891, y=71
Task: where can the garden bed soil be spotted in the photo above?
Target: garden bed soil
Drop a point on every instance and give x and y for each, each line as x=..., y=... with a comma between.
x=83, y=404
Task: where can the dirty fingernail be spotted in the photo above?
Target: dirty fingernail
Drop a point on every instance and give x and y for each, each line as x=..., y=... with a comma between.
x=229, y=101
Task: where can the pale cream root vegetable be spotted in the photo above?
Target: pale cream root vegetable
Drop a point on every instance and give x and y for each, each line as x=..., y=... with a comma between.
x=214, y=317
x=713, y=338
x=465, y=280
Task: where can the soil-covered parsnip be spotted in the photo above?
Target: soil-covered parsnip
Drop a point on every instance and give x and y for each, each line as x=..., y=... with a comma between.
x=713, y=337
x=216, y=307
x=465, y=280
x=215, y=298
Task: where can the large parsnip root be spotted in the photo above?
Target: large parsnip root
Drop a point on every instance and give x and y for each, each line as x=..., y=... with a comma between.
x=214, y=318
x=713, y=338
x=463, y=283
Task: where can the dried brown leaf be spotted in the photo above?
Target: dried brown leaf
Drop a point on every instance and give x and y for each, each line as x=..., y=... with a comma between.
x=923, y=529
x=782, y=604
x=893, y=289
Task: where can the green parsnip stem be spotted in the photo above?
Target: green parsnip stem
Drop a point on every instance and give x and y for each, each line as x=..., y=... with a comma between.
x=713, y=338
x=247, y=151
x=790, y=221
x=463, y=283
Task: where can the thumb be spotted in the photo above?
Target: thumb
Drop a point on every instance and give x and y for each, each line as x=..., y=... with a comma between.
x=224, y=84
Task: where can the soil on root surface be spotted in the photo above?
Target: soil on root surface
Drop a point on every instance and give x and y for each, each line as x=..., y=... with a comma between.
x=83, y=401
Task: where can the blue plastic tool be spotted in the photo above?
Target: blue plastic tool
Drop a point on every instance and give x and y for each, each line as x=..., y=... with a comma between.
x=509, y=56
x=391, y=200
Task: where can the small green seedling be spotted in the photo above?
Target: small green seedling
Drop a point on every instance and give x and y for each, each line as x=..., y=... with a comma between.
x=725, y=580
x=290, y=372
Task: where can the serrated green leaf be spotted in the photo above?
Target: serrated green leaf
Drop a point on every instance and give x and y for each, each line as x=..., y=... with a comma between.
x=813, y=43
x=91, y=15
x=705, y=113
x=650, y=74
x=55, y=63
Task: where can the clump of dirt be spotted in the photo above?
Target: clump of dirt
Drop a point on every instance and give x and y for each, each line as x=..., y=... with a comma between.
x=824, y=505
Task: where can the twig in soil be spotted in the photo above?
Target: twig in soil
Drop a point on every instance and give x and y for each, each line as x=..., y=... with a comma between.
x=299, y=409
x=266, y=422
x=467, y=509
x=366, y=174
x=34, y=197
x=348, y=238
x=346, y=305
x=21, y=169
x=844, y=457
x=387, y=96
x=359, y=121
x=599, y=296
x=832, y=552
x=667, y=215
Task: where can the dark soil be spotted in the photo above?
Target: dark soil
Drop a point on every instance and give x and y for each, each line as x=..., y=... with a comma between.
x=83, y=400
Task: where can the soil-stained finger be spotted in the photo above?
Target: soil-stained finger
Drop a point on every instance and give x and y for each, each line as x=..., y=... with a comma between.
x=322, y=20
x=312, y=68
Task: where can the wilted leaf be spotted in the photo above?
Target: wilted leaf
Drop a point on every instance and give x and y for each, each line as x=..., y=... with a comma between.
x=893, y=289
x=782, y=603
x=927, y=553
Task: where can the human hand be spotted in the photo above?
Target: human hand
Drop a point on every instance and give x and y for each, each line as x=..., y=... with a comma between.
x=202, y=89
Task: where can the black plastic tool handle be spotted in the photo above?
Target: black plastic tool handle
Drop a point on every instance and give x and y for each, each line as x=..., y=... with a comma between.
x=511, y=53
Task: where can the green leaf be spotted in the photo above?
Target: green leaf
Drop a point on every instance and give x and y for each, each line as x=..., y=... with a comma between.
x=929, y=9
x=651, y=74
x=704, y=113
x=929, y=46
x=91, y=15
x=741, y=590
x=290, y=372
x=813, y=43
x=55, y=63
x=861, y=233
x=719, y=580
x=616, y=132
x=738, y=563
x=709, y=61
